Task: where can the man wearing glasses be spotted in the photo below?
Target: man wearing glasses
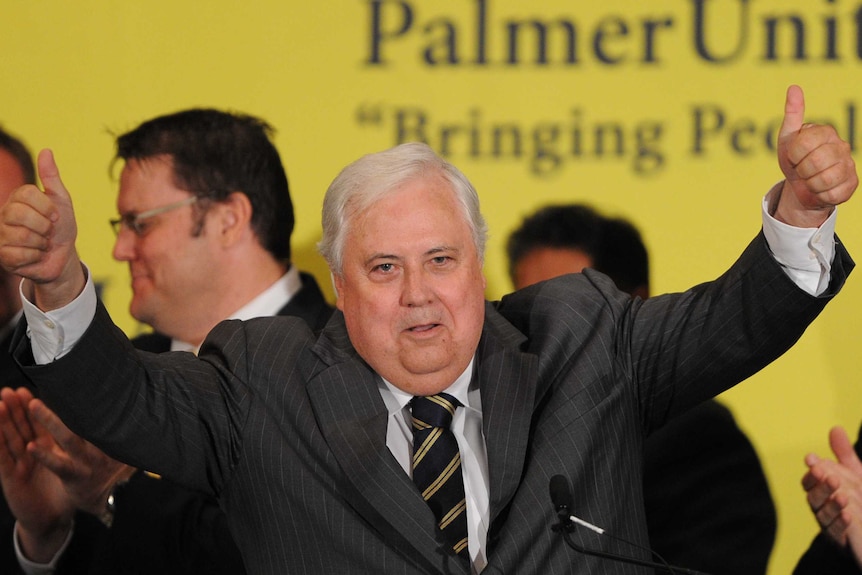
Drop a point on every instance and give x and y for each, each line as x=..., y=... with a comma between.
x=205, y=223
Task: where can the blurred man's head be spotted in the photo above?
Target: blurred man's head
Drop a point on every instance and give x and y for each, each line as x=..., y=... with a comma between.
x=561, y=239
x=16, y=169
x=205, y=218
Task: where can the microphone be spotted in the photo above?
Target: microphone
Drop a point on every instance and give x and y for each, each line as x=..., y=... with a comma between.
x=562, y=500
x=561, y=497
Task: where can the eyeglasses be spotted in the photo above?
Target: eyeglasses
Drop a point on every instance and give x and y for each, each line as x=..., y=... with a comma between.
x=136, y=222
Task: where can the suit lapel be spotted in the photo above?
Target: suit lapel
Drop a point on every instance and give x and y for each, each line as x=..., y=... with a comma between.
x=353, y=418
x=507, y=379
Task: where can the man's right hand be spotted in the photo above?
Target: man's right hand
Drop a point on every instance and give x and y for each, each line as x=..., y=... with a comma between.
x=34, y=493
x=47, y=472
x=87, y=473
x=835, y=492
x=37, y=239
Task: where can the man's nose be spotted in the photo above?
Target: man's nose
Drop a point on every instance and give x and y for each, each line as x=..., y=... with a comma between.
x=416, y=289
x=124, y=245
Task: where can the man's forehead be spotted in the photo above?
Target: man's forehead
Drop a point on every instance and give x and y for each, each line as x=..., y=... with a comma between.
x=417, y=194
x=150, y=165
x=146, y=175
x=436, y=223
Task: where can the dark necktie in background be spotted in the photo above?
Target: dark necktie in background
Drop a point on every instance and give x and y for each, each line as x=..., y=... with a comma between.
x=437, y=466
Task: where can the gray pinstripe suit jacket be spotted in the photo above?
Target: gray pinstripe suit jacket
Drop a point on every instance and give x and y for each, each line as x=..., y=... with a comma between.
x=289, y=431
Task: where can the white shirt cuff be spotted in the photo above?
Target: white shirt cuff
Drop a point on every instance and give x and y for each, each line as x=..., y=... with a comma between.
x=31, y=568
x=52, y=334
x=804, y=253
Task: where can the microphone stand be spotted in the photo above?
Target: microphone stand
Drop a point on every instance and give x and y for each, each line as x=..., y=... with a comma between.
x=566, y=527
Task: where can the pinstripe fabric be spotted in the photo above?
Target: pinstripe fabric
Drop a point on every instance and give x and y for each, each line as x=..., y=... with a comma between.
x=437, y=466
x=289, y=431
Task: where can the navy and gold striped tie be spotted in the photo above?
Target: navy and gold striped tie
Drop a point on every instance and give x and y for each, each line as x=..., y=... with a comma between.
x=437, y=466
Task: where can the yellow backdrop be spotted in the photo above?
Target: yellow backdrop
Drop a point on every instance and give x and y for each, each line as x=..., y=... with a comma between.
x=662, y=111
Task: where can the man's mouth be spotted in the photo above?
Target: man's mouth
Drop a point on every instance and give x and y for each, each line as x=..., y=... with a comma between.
x=422, y=328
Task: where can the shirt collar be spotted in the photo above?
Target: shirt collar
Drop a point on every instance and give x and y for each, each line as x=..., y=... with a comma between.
x=397, y=399
x=268, y=303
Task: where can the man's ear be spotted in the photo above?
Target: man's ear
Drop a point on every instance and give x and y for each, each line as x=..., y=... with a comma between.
x=233, y=217
x=337, y=282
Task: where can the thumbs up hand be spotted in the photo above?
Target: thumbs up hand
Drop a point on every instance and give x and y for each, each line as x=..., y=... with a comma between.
x=37, y=238
x=818, y=168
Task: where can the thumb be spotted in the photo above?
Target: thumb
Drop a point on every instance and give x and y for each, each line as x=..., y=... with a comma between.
x=794, y=112
x=843, y=449
x=49, y=174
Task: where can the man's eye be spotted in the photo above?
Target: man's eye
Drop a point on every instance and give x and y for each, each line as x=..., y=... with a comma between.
x=385, y=267
x=141, y=227
x=440, y=260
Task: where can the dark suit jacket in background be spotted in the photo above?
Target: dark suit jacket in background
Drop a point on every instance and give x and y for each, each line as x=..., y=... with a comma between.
x=289, y=430
x=159, y=527
x=824, y=556
x=708, y=505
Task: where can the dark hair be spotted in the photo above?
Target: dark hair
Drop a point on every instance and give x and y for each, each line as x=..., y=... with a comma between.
x=21, y=153
x=215, y=153
x=614, y=244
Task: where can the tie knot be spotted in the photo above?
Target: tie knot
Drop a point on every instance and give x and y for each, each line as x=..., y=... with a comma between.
x=433, y=410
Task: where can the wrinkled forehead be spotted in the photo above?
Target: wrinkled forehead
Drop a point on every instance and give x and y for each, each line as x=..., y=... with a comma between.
x=376, y=191
x=419, y=212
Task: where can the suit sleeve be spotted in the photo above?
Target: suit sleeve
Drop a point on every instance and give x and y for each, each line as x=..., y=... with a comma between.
x=172, y=414
x=686, y=348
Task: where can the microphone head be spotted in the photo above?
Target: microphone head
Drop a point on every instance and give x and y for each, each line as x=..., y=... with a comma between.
x=561, y=495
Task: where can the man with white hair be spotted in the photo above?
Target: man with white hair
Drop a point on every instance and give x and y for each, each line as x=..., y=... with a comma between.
x=306, y=441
